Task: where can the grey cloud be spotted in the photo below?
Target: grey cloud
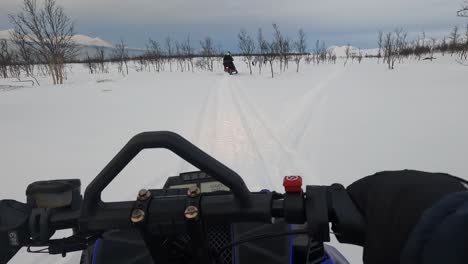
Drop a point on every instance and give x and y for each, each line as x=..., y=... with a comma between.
x=220, y=17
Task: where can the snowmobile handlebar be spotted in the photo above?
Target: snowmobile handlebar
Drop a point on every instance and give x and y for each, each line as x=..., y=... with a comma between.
x=175, y=143
x=55, y=205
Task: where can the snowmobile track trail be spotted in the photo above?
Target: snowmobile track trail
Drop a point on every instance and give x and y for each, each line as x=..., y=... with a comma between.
x=256, y=117
x=253, y=142
x=205, y=123
x=302, y=117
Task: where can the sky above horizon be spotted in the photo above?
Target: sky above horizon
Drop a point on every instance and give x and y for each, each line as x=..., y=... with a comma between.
x=337, y=22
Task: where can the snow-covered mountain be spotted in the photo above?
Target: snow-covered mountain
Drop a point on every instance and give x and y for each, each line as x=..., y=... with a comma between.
x=5, y=34
x=340, y=51
x=87, y=44
x=89, y=41
x=79, y=39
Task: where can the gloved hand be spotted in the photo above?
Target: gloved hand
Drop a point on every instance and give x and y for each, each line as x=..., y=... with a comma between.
x=392, y=204
x=13, y=219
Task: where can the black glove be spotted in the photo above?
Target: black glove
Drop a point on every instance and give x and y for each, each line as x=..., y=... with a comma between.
x=392, y=204
x=13, y=227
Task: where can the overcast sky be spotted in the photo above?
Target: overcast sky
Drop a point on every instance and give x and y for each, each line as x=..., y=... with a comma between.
x=334, y=21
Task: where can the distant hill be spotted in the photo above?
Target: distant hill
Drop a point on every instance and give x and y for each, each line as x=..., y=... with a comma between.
x=86, y=44
x=82, y=40
x=340, y=51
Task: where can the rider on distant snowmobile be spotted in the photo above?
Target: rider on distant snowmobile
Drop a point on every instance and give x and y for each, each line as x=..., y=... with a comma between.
x=228, y=62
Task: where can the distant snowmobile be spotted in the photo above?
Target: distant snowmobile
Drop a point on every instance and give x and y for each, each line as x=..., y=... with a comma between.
x=228, y=63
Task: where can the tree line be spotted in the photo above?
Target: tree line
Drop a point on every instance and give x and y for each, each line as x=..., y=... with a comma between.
x=42, y=44
x=395, y=47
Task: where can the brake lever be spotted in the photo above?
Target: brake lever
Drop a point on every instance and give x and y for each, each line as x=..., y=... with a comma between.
x=69, y=244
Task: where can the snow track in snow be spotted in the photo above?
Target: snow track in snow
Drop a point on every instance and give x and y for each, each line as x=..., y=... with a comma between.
x=306, y=108
x=205, y=124
x=254, y=142
x=281, y=159
x=232, y=128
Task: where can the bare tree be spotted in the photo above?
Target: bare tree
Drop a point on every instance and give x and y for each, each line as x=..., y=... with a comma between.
x=6, y=58
x=317, y=52
x=331, y=56
x=454, y=36
x=323, y=52
x=359, y=56
x=308, y=59
x=417, y=47
x=26, y=58
x=179, y=56
x=154, y=55
x=433, y=47
x=188, y=51
x=246, y=47
x=262, y=49
x=400, y=42
x=272, y=54
x=463, y=12
x=300, y=46
x=347, y=53
x=389, y=50
x=120, y=56
x=169, y=52
x=49, y=32
x=283, y=47
x=285, y=51
x=380, y=43
x=208, y=51
x=90, y=64
x=100, y=59
x=278, y=43
x=443, y=46
x=464, y=49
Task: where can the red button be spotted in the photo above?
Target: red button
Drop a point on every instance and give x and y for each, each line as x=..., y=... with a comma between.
x=292, y=183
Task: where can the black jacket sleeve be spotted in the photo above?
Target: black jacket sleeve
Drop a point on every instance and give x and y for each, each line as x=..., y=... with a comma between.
x=392, y=203
x=441, y=236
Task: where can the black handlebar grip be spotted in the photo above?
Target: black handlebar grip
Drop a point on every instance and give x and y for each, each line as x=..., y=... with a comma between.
x=175, y=143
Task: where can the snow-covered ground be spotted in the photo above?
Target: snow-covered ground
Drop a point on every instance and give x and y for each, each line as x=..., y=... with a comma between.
x=328, y=123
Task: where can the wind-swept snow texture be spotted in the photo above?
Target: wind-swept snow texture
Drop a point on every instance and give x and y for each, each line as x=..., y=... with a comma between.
x=328, y=123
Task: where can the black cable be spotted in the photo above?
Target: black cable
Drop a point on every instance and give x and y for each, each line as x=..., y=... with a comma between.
x=259, y=237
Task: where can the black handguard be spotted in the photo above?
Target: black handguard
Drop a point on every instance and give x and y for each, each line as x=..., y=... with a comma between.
x=13, y=228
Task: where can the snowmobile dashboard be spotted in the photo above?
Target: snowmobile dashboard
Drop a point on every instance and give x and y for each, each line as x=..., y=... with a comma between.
x=187, y=206
x=195, y=179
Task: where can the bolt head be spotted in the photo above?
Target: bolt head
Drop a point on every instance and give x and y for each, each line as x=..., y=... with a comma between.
x=193, y=191
x=143, y=195
x=138, y=216
x=191, y=212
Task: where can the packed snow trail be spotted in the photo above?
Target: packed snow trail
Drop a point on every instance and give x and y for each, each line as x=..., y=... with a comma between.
x=280, y=158
x=230, y=127
x=306, y=107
